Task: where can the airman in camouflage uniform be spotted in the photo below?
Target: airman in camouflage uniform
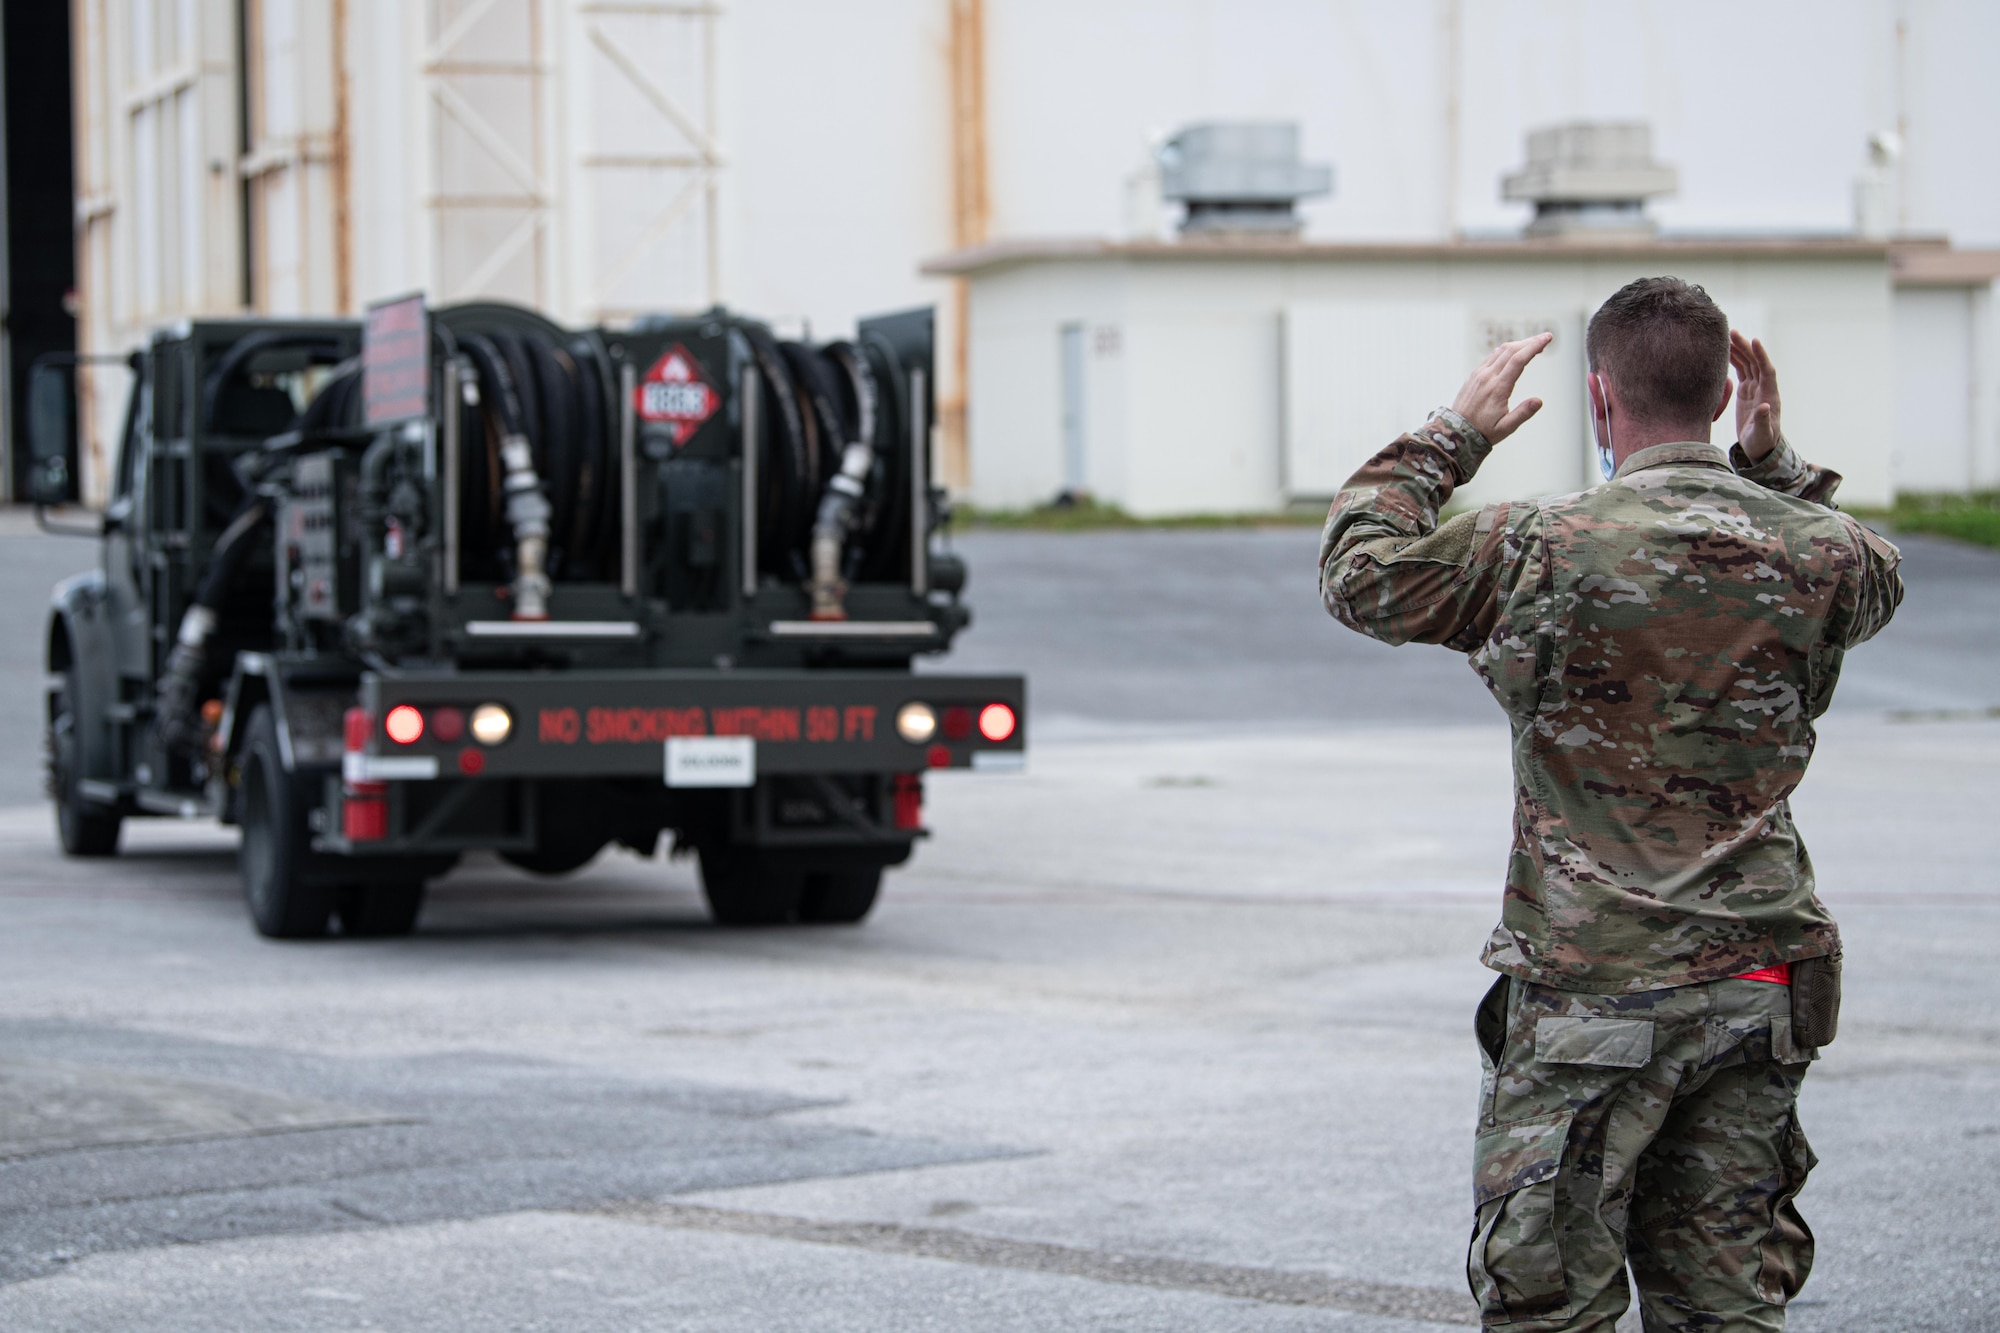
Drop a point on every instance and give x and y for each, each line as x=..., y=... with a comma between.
x=1662, y=645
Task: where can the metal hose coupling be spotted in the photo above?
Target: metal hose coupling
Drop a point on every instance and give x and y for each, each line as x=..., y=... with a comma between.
x=840, y=509
x=528, y=514
x=837, y=511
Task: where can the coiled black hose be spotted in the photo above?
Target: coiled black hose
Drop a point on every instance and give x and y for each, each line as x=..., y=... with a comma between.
x=554, y=390
x=813, y=410
x=552, y=396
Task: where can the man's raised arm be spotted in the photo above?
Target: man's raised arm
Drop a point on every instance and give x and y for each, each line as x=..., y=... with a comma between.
x=1385, y=566
x=1760, y=453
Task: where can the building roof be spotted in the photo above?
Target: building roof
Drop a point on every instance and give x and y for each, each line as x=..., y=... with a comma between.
x=1009, y=253
x=1937, y=265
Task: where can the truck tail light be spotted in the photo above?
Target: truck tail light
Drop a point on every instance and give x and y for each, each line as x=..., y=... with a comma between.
x=996, y=722
x=957, y=722
x=447, y=724
x=909, y=798
x=404, y=725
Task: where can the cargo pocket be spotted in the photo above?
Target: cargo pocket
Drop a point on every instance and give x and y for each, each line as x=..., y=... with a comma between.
x=1787, y=1252
x=1619, y=1043
x=1514, y=1264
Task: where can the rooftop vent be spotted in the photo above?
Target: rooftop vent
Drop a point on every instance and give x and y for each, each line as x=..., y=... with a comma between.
x=1240, y=179
x=1591, y=181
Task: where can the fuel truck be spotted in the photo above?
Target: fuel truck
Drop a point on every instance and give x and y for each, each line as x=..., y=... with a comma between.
x=388, y=591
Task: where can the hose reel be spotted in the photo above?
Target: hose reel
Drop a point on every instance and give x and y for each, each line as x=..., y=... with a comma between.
x=538, y=459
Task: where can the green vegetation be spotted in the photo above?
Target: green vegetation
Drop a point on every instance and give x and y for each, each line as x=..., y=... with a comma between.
x=1085, y=514
x=1969, y=518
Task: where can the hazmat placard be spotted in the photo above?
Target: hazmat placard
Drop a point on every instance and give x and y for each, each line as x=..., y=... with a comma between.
x=675, y=394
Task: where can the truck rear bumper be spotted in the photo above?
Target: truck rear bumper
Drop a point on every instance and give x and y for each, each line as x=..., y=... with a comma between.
x=683, y=728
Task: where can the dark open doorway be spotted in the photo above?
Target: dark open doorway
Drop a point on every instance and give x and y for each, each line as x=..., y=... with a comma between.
x=38, y=268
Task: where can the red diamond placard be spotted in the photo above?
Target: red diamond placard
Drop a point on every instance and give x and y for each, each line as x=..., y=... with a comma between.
x=676, y=394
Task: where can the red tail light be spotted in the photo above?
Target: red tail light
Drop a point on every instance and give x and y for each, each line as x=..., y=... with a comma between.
x=404, y=725
x=957, y=723
x=447, y=724
x=996, y=722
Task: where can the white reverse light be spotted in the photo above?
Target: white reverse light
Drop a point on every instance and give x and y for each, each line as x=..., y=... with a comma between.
x=491, y=723
x=916, y=723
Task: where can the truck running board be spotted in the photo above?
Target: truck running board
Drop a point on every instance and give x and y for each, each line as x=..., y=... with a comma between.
x=852, y=629
x=552, y=629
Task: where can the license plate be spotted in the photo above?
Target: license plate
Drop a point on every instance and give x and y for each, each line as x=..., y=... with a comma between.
x=711, y=761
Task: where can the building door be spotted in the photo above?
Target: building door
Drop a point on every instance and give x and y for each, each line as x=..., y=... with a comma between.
x=1933, y=333
x=1073, y=439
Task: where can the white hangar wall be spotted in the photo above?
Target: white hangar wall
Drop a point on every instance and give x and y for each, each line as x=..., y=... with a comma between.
x=1422, y=106
x=1218, y=381
x=815, y=154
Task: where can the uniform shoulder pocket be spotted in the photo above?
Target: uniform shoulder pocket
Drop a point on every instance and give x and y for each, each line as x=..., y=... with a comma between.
x=1621, y=1043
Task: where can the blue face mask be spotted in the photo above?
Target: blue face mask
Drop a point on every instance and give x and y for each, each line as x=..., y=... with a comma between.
x=1600, y=431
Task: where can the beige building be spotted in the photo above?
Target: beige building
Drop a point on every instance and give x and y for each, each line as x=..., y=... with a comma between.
x=1244, y=375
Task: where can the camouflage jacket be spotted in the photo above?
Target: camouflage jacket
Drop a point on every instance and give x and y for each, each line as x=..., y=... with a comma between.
x=1662, y=644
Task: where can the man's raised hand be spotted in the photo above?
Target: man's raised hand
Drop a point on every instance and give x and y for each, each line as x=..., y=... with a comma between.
x=1756, y=396
x=1483, y=398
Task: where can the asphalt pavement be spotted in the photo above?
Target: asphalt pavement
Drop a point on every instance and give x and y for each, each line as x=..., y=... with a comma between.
x=1170, y=1032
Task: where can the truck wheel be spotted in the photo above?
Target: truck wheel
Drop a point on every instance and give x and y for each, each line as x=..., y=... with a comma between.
x=839, y=897
x=85, y=827
x=286, y=901
x=555, y=857
x=745, y=888
x=380, y=910
x=572, y=830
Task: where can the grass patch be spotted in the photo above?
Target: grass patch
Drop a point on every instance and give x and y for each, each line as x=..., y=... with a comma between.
x=1968, y=518
x=1084, y=515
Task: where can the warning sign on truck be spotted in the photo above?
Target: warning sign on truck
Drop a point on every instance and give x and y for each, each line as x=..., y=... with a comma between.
x=676, y=395
x=396, y=362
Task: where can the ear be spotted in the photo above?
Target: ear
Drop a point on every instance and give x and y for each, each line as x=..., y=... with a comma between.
x=1594, y=382
x=1728, y=391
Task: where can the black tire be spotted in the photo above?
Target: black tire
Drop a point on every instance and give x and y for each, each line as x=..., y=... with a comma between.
x=381, y=909
x=84, y=827
x=571, y=829
x=839, y=897
x=555, y=857
x=746, y=888
x=284, y=884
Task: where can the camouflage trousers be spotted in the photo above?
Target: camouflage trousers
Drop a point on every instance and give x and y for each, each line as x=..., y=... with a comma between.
x=1658, y=1129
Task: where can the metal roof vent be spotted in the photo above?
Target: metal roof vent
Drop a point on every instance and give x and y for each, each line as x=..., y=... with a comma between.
x=1590, y=180
x=1241, y=178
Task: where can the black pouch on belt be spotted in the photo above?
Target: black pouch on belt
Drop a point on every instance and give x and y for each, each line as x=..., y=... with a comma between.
x=1816, y=1000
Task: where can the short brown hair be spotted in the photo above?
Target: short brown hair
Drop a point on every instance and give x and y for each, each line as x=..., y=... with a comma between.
x=1666, y=344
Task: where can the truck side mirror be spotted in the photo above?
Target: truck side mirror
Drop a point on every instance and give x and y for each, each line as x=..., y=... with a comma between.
x=51, y=432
